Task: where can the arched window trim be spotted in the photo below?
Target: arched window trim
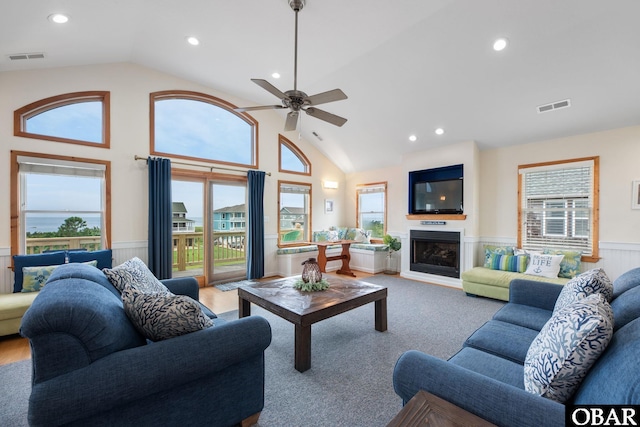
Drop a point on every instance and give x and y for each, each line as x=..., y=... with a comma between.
x=203, y=97
x=21, y=115
x=282, y=140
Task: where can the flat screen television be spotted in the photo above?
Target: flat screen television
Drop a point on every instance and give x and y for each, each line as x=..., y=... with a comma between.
x=436, y=191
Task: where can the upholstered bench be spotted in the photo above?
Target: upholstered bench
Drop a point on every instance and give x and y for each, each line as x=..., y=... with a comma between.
x=12, y=308
x=482, y=281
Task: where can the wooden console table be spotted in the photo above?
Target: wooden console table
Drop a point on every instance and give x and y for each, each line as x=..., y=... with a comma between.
x=345, y=256
x=428, y=410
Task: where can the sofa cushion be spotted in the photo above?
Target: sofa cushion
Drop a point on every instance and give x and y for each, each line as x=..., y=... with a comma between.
x=160, y=316
x=583, y=285
x=626, y=307
x=523, y=315
x=626, y=281
x=503, y=339
x=571, y=261
x=544, y=265
x=103, y=257
x=21, y=261
x=567, y=346
x=515, y=263
x=502, y=278
x=492, y=249
x=492, y=366
x=83, y=271
x=134, y=272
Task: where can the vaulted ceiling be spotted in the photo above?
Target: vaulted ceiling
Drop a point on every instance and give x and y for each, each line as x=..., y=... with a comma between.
x=407, y=66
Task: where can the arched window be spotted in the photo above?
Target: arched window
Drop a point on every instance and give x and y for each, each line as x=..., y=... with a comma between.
x=291, y=159
x=76, y=118
x=197, y=126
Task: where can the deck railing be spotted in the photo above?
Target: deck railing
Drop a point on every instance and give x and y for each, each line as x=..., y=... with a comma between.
x=188, y=249
x=42, y=244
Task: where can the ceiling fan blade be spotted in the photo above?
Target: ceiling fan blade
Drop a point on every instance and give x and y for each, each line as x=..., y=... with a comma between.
x=324, y=97
x=327, y=117
x=292, y=121
x=269, y=88
x=261, y=107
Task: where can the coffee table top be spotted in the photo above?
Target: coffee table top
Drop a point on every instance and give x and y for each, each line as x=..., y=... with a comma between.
x=292, y=304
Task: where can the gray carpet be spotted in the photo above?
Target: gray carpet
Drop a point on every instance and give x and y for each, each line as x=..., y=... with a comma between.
x=350, y=380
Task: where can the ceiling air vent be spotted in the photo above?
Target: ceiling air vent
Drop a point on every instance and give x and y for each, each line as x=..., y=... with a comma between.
x=19, y=56
x=554, y=106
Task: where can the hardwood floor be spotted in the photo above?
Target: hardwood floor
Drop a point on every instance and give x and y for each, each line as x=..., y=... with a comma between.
x=14, y=348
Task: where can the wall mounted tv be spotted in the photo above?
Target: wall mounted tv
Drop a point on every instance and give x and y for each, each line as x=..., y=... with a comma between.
x=436, y=191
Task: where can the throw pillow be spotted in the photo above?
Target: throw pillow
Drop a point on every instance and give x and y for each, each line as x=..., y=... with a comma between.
x=515, y=263
x=34, y=278
x=160, y=316
x=136, y=273
x=570, y=265
x=103, y=257
x=566, y=347
x=590, y=282
x=491, y=249
x=21, y=261
x=544, y=265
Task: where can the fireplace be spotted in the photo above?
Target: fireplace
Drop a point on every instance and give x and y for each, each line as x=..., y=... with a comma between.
x=435, y=252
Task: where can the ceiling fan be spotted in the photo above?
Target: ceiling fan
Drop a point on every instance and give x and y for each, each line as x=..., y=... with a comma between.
x=296, y=100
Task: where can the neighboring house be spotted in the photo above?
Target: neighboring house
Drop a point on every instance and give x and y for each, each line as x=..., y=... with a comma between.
x=290, y=216
x=180, y=222
x=230, y=218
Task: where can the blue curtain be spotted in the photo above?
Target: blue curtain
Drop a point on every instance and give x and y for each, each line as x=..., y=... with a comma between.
x=255, y=244
x=160, y=212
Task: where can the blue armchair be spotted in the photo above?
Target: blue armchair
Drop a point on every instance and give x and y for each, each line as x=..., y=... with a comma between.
x=92, y=367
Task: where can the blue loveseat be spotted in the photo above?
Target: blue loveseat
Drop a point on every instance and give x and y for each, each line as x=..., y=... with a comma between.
x=91, y=366
x=486, y=377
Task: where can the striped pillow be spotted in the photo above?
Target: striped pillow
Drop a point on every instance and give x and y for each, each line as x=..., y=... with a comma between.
x=515, y=263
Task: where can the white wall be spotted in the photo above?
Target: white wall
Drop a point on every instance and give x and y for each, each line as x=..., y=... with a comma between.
x=130, y=86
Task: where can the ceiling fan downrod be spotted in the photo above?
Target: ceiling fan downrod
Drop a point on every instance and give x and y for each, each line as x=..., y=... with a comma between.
x=297, y=6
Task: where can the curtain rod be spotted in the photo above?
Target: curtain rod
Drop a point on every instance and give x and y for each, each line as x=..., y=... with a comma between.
x=211, y=168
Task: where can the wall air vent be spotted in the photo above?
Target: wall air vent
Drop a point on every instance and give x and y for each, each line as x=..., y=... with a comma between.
x=554, y=106
x=19, y=56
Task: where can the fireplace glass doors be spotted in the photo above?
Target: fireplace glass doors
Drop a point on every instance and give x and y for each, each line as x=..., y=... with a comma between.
x=435, y=252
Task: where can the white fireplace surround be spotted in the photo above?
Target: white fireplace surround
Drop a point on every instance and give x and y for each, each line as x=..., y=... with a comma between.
x=432, y=278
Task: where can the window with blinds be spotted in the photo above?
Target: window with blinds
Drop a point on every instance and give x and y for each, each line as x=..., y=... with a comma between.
x=62, y=204
x=371, y=208
x=558, y=206
x=294, y=218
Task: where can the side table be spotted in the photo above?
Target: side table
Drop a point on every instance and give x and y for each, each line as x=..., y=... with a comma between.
x=427, y=410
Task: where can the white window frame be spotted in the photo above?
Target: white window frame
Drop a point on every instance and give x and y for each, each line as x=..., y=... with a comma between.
x=364, y=189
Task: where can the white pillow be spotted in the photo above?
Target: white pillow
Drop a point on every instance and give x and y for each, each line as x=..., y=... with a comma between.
x=544, y=265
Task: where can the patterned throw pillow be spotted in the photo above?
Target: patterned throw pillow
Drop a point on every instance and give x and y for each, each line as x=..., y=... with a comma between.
x=136, y=273
x=160, y=316
x=570, y=265
x=34, y=278
x=515, y=263
x=590, y=282
x=499, y=250
x=544, y=265
x=566, y=347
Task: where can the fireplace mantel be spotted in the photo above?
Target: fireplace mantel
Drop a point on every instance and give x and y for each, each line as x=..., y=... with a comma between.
x=452, y=217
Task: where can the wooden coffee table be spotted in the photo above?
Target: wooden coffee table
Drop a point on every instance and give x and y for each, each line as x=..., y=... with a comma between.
x=306, y=308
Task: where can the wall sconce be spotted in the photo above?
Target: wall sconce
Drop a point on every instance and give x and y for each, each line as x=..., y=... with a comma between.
x=330, y=184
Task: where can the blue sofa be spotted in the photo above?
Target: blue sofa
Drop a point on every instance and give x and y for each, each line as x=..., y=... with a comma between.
x=486, y=377
x=92, y=367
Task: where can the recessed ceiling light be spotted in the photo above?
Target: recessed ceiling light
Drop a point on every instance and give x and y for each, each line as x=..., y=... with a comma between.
x=500, y=44
x=439, y=131
x=275, y=75
x=58, y=18
x=413, y=138
x=193, y=41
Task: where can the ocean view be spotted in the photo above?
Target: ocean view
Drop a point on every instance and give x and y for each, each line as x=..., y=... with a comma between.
x=42, y=223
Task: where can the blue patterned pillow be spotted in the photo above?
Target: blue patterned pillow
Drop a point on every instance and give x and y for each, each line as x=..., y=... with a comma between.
x=590, y=282
x=34, y=278
x=160, y=316
x=570, y=265
x=515, y=263
x=567, y=346
x=499, y=250
x=134, y=272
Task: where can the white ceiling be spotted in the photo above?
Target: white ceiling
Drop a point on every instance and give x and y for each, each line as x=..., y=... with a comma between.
x=407, y=66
